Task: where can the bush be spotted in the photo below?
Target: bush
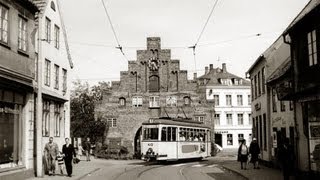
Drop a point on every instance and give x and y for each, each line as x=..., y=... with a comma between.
x=108, y=153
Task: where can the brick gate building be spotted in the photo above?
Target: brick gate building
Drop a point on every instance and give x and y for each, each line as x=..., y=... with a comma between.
x=153, y=86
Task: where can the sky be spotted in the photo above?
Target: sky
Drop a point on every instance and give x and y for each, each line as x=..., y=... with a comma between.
x=230, y=35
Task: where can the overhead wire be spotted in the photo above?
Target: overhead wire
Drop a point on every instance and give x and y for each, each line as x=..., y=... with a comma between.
x=113, y=30
x=202, y=31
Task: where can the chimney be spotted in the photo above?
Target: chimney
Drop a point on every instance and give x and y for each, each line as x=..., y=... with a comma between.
x=206, y=70
x=211, y=67
x=194, y=76
x=224, y=67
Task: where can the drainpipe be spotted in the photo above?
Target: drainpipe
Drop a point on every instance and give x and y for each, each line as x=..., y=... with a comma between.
x=39, y=166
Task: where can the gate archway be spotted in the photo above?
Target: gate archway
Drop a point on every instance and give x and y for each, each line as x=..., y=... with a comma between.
x=137, y=144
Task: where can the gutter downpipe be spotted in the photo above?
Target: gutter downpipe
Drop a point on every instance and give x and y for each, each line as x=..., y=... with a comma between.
x=39, y=152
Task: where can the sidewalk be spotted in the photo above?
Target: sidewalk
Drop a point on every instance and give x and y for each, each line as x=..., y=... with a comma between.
x=80, y=170
x=264, y=173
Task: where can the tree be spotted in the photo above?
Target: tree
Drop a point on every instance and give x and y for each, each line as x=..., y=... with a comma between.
x=83, y=100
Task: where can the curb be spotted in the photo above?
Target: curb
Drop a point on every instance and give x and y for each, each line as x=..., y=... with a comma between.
x=81, y=177
x=236, y=172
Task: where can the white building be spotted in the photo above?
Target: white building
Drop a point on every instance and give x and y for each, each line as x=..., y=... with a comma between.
x=55, y=62
x=231, y=95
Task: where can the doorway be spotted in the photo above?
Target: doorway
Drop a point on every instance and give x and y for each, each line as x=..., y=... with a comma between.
x=218, y=139
x=137, y=144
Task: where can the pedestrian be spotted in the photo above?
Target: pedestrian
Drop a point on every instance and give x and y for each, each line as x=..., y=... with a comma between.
x=60, y=157
x=286, y=158
x=80, y=151
x=254, y=151
x=243, y=154
x=51, y=151
x=87, y=148
x=69, y=153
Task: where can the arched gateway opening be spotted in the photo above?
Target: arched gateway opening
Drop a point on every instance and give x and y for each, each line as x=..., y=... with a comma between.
x=137, y=144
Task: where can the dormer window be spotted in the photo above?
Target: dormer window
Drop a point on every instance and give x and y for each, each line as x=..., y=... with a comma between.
x=236, y=82
x=53, y=6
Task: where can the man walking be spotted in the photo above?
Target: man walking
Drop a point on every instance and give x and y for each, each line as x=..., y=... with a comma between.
x=69, y=153
x=254, y=150
x=87, y=147
x=51, y=151
x=286, y=157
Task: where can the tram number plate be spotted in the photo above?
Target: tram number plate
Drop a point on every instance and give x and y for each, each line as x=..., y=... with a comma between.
x=150, y=144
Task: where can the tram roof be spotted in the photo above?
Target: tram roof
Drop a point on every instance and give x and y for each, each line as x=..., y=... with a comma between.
x=176, y=122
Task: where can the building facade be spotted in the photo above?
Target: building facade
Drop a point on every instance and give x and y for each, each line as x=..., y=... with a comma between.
x=153, y=86
x=232, y=105
x=17, y=54
x=55, y=60
x=272, y=118
x=303, y=37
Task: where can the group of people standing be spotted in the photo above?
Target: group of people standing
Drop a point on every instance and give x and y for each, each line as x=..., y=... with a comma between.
x=285, y=155
x=244, y=152
x=52, y=154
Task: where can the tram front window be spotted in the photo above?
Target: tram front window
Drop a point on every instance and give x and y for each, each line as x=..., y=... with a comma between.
x=151, y=134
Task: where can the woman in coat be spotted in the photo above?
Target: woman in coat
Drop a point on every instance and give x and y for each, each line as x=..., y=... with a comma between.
x=243, y=154
x=254, y=150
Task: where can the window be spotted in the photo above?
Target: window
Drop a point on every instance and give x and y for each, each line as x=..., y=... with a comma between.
x=199, y=119
x=240, y=138
x=150, y=133
x=312, y=48
x=229, y=140
x=46, y=118
x=264, y=131
x=217, y=119
x=168, y=134
x=259, y=83
x=137, y=101
x=255, y=87
x=291, y=105
x=112, y=122
x=263, y=74
x=57, y=120
x=56, y=36
x=282, y=106
x=47, y=72
x=56, y=76
x=154, y=84
x=249, y=99
x=171, y=101
x=239, y=100
x=3, y=24
x=22, y=36
x=48, y=30
x=250, y=119
x=240, y=119
x=154, y=102
x=252, y=89
x=122, y=101
x=187, y=101
x=11, y=135
x=228, y=100
x=216, y=99
x=274, y=100
x=53, y=7
x=229, y=119
x=64, y=74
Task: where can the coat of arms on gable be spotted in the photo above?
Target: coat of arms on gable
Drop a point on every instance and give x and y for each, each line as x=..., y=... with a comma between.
x=154, y=62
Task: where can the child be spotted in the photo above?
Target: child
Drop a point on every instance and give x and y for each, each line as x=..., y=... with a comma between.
x=60, y=161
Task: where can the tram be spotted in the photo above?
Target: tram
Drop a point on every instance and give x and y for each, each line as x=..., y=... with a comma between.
x=166, y=139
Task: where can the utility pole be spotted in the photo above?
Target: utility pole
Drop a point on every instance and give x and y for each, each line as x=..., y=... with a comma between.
x=39, y=149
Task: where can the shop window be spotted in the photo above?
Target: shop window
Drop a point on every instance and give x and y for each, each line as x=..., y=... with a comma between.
x=46, y=118
x=11, y=131
x=229, y=140
x=57, y=120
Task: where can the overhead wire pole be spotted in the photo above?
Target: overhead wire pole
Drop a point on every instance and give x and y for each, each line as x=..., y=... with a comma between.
x=114, y=32
x=204, y=27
